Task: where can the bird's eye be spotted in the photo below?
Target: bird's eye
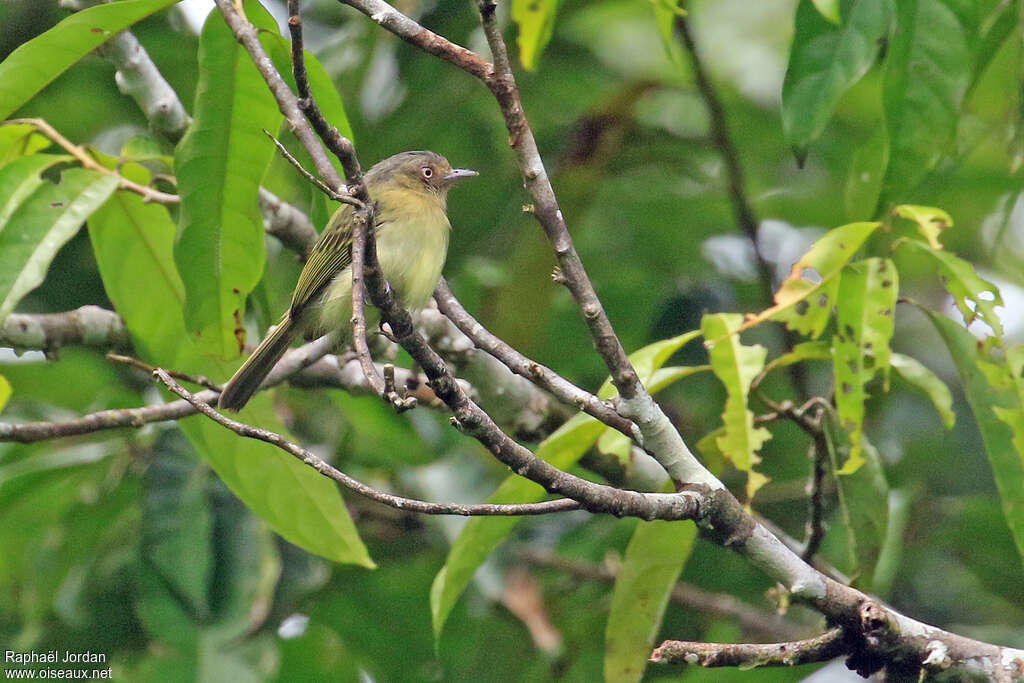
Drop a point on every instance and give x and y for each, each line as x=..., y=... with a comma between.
x=427, y=172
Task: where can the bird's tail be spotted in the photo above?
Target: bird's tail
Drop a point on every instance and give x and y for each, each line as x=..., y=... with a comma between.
x=244, y=383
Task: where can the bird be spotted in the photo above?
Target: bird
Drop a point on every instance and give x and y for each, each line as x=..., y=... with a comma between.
x=411, y=229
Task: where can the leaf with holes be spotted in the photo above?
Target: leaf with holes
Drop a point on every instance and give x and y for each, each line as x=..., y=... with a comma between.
x=804, y=301
x=920, y=377
x=863, y=500
x=41, y=224
x=930, y=221
x=997, y=409
x=860, y=347
x=976, y=297
x=736, y=366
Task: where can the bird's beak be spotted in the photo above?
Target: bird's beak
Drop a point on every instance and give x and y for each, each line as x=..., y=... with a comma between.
x=459, y=174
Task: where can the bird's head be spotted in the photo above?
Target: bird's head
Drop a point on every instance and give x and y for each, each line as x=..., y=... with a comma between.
x=422, y=171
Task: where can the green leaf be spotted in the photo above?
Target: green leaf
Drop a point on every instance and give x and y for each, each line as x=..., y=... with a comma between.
x=863, y=499
x=917, y=375
x=995, y=29
x=665, y=14
x=804, y=301
x=930, y=221
x=812, y=350
x=650, y=569
x=481, y=535
x=297, y=502
x=177, y=524
x=5, y=391
x=536, y=21
x=736, y=366
x=133, y=243
x=219, y=163
x=45, y=221
x=827, y=58
x=36, y=63
x=976, y=298
x=20, y=178
x=20, y=139
x=647, y=360
x=927, y=73
x=864, y=177
x=860, y=349
x=1002, y=443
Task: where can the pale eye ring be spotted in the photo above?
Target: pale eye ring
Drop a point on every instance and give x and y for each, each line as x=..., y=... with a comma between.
x=427, y=172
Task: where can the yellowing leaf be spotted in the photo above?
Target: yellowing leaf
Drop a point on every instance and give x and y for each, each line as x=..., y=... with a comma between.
x=930, y=221
x=736, y=366
x=536, y=21
x=864, y=316
x=665, y=14
x=5, y=391
x=829, y=9
x=804, y=301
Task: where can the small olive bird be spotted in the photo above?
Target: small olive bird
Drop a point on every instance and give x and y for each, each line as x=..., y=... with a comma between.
x=410, y=191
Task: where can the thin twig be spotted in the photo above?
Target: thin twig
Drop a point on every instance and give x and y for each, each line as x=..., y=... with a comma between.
x=828, y=645
x=818, y=454
x=147, y=193
x=324, y=468
x=200, y=380
x=544, y=377
x=28, y=432
x=343, y=197
x=722, y=139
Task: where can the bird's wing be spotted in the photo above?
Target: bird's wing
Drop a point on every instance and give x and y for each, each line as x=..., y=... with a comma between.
x=331, y=255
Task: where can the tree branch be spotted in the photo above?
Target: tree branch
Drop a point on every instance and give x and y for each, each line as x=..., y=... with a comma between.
x=138, y=77
x=287, y=223
x=561, y=388
x=660, y=437
x=326, y=469
x=28, y=432
x=85, y=326
x=822, y=648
